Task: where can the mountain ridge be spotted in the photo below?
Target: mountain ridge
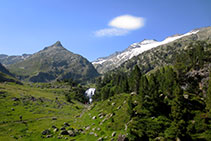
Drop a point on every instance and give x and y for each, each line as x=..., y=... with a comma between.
x=12, y=59
x=52, y=63
x=115, y=60
x=167, y=53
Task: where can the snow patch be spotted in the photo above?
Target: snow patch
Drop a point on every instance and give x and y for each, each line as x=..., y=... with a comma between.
x=138, y=48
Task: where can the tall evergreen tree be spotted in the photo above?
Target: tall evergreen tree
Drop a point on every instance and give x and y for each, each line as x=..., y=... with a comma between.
x=177, y=104
x=144, y=88
x=135, y=80
x=130, y=107
x=208, y=99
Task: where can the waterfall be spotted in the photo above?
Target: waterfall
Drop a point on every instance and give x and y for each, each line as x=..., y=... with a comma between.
x=89, y=93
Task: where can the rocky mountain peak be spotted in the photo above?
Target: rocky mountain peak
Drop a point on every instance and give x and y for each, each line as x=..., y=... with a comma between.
x=57, y=44
x=54, y=63
x=146, y=41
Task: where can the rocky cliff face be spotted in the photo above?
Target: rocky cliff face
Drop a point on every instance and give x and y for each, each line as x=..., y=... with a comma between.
x=52, y=63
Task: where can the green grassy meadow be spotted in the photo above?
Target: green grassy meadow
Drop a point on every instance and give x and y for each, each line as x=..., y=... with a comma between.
x=39, y=105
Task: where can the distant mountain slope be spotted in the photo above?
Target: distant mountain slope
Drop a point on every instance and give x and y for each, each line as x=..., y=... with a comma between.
x=8, y=60
x=54, y=62
x=6, y=76
x=4, y=70
x=115, y=60
x=166, y=54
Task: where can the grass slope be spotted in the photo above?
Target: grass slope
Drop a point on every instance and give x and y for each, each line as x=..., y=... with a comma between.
x=104, y=118
x=38, y=105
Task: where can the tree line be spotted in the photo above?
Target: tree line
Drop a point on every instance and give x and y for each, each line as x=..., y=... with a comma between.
x=169, y=102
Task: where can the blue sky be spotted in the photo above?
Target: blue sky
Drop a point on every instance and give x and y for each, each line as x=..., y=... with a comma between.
x=93, y=28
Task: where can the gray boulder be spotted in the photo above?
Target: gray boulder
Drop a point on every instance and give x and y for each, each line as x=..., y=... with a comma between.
x=71, y=133
x=121, y=138
x=66, y=124
x=63, y=128
x=54, y=118
x=88, y=127
x=55, y=130
x=113, y=134
x=64, y=132
x=100, y=139
x=49, y=136
x=46, y=132
x=53, y=126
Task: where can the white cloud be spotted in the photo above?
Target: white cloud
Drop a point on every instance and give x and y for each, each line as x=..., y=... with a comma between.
x=111, y=32
x=127, y=22
x=121, y=25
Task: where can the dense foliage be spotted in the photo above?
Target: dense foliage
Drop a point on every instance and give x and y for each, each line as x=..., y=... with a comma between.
x=172, y=102
x=75, y=91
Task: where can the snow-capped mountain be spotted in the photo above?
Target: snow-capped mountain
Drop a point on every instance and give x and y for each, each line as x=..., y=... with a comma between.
x=115, y=60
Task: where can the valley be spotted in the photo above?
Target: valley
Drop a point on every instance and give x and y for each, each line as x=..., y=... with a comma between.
x=150, y=91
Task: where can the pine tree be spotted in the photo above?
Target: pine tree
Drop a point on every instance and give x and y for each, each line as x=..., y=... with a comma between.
x=177, y=104
x=181, y=65
x=124, y=85
x=135, y=80
x=200, y=53
x=196, y=54
x=105, y=91
x=170, y=79
x=130, y=107
x=178, y=111
x=144, y=88
x=208, y=100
